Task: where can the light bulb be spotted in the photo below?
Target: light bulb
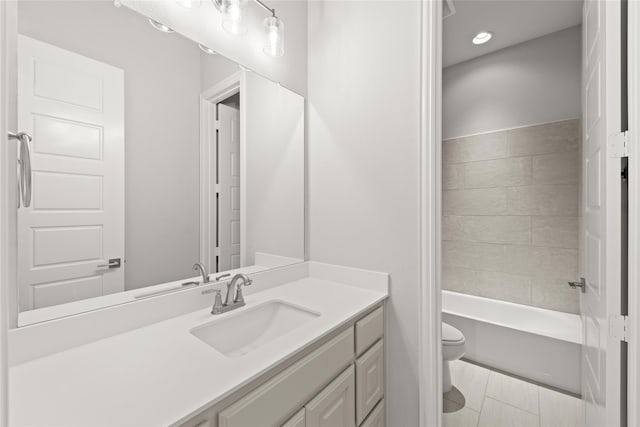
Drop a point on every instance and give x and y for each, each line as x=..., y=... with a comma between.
x=482, y=37
x=160, y=26
x=189, y=4
x=274, y=37
x=206, y=49
x=233, y=15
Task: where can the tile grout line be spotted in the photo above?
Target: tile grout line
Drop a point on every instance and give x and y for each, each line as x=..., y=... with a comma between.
x=513, y=406
x=484, y=397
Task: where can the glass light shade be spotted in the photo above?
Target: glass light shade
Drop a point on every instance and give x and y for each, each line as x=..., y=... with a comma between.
x=234, y=14
x=190, y=4
x=274, y=37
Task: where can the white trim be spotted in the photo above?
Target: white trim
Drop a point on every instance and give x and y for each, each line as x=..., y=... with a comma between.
x=633, y=396
x=208, y=100
x=5, y=281
x=8, y=194
x=430, y=352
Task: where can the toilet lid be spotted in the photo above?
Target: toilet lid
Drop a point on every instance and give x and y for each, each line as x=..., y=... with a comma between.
x=451, y=334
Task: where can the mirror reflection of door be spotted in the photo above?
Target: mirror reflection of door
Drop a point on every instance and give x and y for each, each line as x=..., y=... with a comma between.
x=228, y=176
x=74, y=108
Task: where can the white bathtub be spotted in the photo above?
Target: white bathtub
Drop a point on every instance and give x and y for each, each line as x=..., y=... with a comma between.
x=534, y=343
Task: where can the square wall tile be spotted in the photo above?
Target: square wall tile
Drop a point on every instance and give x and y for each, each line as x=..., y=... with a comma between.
x=498, y=173
x=490, y=201
x=542, y=200
x=452, y=177
x=487, y=229
x=537, y=261
x=555, y=294
x=546, y=138
x=557, y=168
x=476, y=147
x=477, y=256
x=555, y=231
x=503, y=287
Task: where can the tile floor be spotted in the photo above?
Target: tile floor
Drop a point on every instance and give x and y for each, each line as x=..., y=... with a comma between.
x=485, y=398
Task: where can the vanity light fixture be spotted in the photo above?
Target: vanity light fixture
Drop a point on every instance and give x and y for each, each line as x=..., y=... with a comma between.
x=482, y=37
x=233, y=14
x=206, y=49
x=160, y=26
x=274, y=36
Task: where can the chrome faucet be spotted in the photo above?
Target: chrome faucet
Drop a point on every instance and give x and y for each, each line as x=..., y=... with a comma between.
x=203, y=271
x=234, y=298
x=234, y=291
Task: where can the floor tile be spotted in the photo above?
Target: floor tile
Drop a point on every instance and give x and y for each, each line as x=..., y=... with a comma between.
x=465, y=417
x=512, y=391
x=471, y=381
x=559, y=410
x=498, y=414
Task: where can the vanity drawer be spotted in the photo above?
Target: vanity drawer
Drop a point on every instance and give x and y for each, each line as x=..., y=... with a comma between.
x=298, y=420
x=376, y=417
x=369, y=329
x=335, y=405
x=369, y=380
x=272, y=402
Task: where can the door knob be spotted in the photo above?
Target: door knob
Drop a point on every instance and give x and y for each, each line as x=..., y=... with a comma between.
x=112, y=263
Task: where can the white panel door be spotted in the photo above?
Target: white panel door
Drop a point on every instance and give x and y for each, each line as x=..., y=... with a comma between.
x=228, y=188
x=601, y=213
x=73, y=107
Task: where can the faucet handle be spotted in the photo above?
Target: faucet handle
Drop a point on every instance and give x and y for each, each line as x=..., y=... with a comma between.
x=222, y=276
x=217, y=304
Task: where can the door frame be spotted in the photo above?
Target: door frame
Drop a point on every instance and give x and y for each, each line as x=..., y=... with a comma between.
x=633, y=389
x=208, y=218
x=430, y=300
x=8, y=193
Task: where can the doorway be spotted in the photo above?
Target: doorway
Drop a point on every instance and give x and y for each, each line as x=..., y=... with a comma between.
x=221, y=176
x=600, y=307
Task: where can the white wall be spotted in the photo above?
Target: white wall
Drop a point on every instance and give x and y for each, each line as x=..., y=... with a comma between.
x=364, y=86
x=203, y=25
x=274, y=168
x=534, y=82
x=162, y=86
x=214, y=69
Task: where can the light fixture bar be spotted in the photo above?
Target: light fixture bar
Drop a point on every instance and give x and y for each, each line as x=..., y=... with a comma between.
x=265, y=7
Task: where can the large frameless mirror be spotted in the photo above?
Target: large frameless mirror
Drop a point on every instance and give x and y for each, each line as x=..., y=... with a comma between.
x=150, y=154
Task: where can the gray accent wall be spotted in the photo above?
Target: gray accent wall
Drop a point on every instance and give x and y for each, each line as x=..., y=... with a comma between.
x=537, y=81
x=511, y=214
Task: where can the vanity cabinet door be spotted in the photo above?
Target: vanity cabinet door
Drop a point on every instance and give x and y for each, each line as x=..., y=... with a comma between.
x=298, y=420
x=369, y=329
x=369, y=380
x=376, y=417
x=335, y=405
x=273, y=401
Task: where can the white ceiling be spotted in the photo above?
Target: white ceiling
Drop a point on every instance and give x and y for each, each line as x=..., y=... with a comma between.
x=510, y=21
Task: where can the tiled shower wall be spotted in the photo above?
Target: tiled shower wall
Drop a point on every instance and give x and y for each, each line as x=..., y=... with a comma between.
x=511, y=214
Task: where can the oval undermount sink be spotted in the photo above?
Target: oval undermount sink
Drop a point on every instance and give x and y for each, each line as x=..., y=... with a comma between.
x=252, y=327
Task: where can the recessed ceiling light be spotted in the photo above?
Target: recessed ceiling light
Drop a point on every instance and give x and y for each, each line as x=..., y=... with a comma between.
x=482, y=37
x=206, y=49
x=160, y=26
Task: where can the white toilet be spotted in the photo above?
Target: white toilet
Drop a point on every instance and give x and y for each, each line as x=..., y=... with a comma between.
x=452, y=349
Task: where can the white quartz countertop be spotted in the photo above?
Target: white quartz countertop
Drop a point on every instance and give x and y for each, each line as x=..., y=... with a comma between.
x=162, y=374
